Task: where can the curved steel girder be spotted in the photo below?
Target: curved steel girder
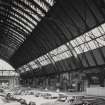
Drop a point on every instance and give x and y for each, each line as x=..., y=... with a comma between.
x=62, y=20
x=13, y=39
x=17, y=13
x=24, y=11
x=6, y=44
x=27, y=13
x=62, y=4
x=43, y=47
x=38, y=6
x=20, y=9
x=13, y=34
x=11, y=4
x=33, y=50
x=3, y=18
x=16, y=34
x=29, y=7
x=34, y=39
x=44, y=35
x=14, y=28
x=46, y=3
x=56, y=31
x=11, y=22
x=48, y=27
x=9, y=42
x=29, y=52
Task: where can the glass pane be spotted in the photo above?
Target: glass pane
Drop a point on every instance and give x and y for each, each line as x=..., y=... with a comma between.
x=59, y=50
x=86, y=37
x=41, y=4
x=92, y=45
x=26, y=68
x=80, y=40
x=101, y=41
x=101, y=30
x=103, y=26
x=51, y=2
x=96, y=32
x=78, y=50
x=45, y=62
x=73, y=44
x=84, y=47
x=33, y=65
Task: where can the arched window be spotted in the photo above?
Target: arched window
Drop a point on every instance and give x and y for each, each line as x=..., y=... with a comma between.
x=5, y=66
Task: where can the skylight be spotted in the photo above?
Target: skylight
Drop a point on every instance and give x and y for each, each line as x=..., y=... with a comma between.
x=91, y=40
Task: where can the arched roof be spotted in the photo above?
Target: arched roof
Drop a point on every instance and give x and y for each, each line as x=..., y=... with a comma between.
x=18, y=19
x=31, y=29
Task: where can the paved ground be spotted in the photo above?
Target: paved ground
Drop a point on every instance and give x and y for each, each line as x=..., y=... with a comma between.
x=12, y=103
x=41, y=100
x=37, y=100
x=28, y=98
x=2, y=102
